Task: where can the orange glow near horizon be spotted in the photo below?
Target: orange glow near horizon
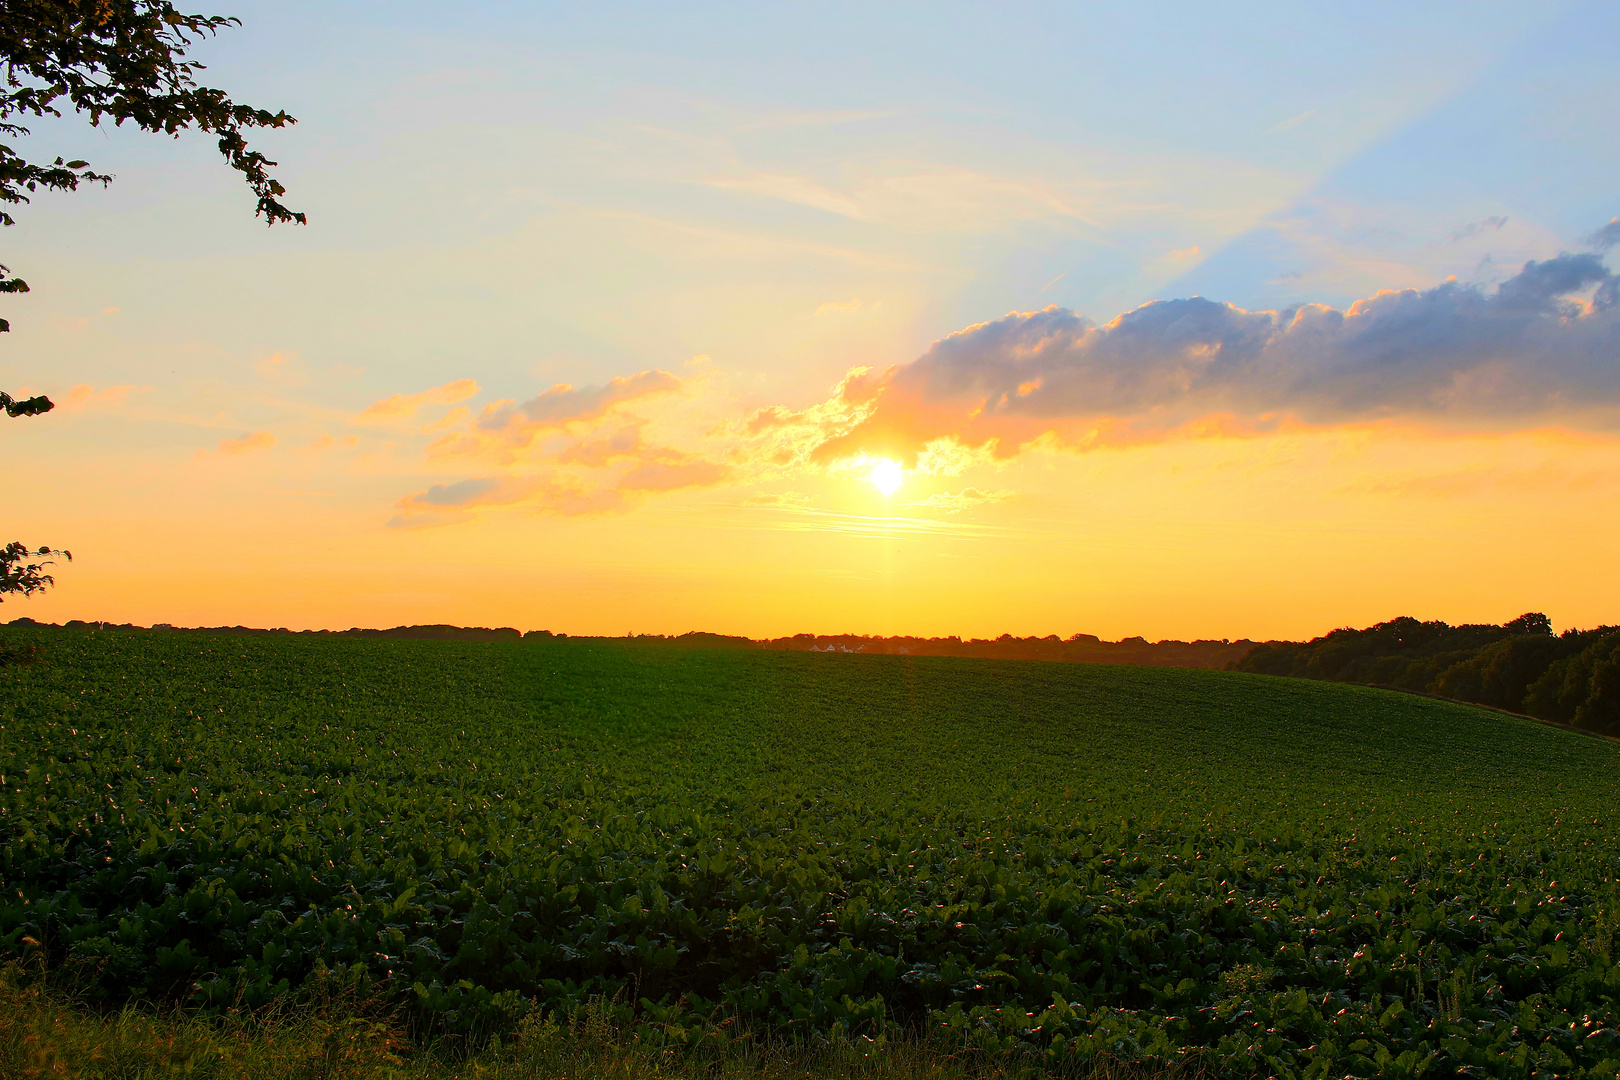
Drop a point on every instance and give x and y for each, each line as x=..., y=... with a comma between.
x=1286, y=536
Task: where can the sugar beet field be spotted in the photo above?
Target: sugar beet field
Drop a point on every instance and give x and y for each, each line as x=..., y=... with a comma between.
x=1061, y=861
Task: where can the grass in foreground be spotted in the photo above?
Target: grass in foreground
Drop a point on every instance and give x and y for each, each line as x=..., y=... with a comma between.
x=44, y=1034
x=1069, y=863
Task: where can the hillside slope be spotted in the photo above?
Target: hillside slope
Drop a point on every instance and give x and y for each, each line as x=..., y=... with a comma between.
x=1286, y=876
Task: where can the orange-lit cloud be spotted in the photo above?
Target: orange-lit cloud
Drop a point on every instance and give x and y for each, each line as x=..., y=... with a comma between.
x=788, y=437
x=448, y=420
x=624, y=442
x=564, y=404
x=1544, y=345
x=448, y=504
x=577, y=479
x=84, y=396
x=670, y=475
x=405, y=406
x=258, y=440
x=505, y=431
x=1538, y=349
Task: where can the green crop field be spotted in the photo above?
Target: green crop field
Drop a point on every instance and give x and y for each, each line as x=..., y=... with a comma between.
x=1064, y=861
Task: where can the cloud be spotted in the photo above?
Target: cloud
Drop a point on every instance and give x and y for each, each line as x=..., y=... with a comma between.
x=838, y=307
x=462, y=493
x=653, y=469
x=932, y=197
x=668, y=476
x=508, y=433
x=564, y=404
x=1530, y=351
x=449, y=504
x=1494, y=223
x=626, y=442
x=782, y=437
x=404, y=406
x=448, y=420
x=258, y=440
x=788, y=188
x=85, y=396
x=1291, y=123
x=945, y=502
x=1606, y=237
x=286, y=369
x=790, y=500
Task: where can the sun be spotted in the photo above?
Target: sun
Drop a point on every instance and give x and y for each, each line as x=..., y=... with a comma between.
x=887, y=476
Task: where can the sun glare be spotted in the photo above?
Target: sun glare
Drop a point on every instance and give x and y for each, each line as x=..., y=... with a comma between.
x=887, y=476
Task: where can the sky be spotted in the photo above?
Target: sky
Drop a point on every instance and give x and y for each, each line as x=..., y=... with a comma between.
x=1171, y=319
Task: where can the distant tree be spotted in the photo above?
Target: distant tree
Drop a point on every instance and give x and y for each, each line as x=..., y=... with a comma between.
x=1584, y=689
x=123, y=61
x=1500, y=674
x=1531, y=622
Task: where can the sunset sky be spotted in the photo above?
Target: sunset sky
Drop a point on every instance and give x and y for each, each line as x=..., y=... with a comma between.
x=868, y=318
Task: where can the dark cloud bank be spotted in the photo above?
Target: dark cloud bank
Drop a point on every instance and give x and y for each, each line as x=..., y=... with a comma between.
x=1544, y=344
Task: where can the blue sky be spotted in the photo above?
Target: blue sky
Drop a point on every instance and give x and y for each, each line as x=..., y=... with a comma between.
x=758, y=198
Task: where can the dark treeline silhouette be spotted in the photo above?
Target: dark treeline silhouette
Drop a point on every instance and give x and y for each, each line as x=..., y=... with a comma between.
x=1081, y=648
x=434, y=632
x=1522, y=666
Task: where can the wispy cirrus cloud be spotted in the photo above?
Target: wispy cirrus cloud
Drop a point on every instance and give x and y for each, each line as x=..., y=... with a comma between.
x=85, y=396
x=947, y=502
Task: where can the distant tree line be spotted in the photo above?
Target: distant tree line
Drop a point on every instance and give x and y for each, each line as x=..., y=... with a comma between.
x=1522, y=666
x=1076, y=649
x=1080, y=648
x=433, y=632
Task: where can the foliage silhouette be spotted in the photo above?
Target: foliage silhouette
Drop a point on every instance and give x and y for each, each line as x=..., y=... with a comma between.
x=120, y=60
x=1521, y=666
x=123, y=61
x=27, y=406
x=23, y=570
